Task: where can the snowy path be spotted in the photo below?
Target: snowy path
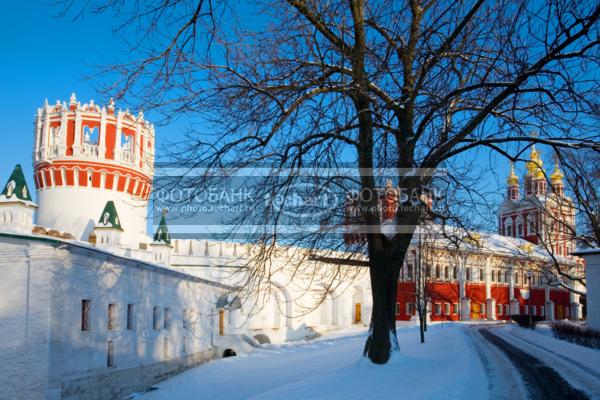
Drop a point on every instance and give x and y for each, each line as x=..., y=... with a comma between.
x=541, y=381
x=505, y=381
x=446, y=367
x=580, y=366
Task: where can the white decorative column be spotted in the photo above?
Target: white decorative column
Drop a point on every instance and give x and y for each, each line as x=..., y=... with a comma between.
x=102, y=135
x=575, y=307
x=549, y=304
x=514, y=303
x=490, y=303
x=136, y=145
x=118, y=136
x=592, y=280
x=45, y=132
x=37, y=138
x=465, y=303
x=62, y=136
x=77, y=136
x=461, y=276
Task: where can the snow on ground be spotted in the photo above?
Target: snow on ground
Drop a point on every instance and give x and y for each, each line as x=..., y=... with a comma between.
x=542, y=339
x=579, y=365
x=445, y=367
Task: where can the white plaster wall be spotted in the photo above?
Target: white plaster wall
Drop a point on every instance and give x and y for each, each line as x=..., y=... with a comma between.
x=41, y=290
x=592, y=278
x=24, y=321
x=220, y=262
x=76, y=210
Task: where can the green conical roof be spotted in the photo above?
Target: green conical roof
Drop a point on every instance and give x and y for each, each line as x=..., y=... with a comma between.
x=109, y=217
x=162, y=233
x=16, y=187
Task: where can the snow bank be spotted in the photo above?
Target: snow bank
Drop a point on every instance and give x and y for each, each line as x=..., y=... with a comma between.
x=444, y=367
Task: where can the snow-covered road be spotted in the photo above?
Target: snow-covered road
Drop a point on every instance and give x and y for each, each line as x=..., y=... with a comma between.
x=445, y=367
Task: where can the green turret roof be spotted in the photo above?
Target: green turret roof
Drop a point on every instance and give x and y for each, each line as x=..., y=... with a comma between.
x=109, y=217
x=16, y=187
x=162, y=233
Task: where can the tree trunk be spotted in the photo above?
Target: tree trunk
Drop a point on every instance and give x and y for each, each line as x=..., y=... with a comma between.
x=384, y=271
x=421, y=327
x=382, y=334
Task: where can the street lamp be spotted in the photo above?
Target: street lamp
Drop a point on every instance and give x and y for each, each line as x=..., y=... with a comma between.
x=529, y=275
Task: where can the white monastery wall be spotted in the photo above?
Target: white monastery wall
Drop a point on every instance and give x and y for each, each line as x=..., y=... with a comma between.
x=288, y=307
x=48, y=355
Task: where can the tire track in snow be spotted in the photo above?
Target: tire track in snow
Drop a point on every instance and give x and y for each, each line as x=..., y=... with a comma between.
x=584, y=377
x=504, y=381
x=542, y=382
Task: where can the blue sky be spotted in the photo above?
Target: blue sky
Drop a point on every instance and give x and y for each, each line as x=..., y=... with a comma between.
x=48, y=57
x=44, y=56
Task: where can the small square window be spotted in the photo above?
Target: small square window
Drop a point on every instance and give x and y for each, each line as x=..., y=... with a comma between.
x=167, y=319
x=112, y=317
x=110, y=357
x=156, y=318
x=85, y=314
x=130, y=316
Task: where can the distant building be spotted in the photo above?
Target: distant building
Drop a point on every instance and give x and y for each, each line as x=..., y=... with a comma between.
x=479, y=275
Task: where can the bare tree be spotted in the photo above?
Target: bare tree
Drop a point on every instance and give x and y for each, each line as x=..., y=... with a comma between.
x=409, y=85
x=424, y=275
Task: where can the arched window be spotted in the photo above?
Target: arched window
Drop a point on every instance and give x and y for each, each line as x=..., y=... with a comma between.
x=455, y=272
x=437, y=272
x=468, y=273
x=428, y=271
x=530, y=220
x=446, y=273
x=493, y=275
x=508, y=227
x=519, y=222
x=481, y=274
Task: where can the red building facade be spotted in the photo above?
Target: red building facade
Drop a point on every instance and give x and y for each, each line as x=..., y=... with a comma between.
x=489, y=279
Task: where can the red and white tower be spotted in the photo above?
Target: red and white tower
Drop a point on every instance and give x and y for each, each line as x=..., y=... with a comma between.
x=86, y=155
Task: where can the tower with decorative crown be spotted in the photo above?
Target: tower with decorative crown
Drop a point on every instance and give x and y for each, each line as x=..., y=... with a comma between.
x=16, y=206
x=540, y=215
x=161, y=245
x=86, y=155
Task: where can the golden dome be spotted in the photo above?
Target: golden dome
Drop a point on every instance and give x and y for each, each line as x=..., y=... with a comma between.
x=557, y=175
x=535, y=164
x=513, y=179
